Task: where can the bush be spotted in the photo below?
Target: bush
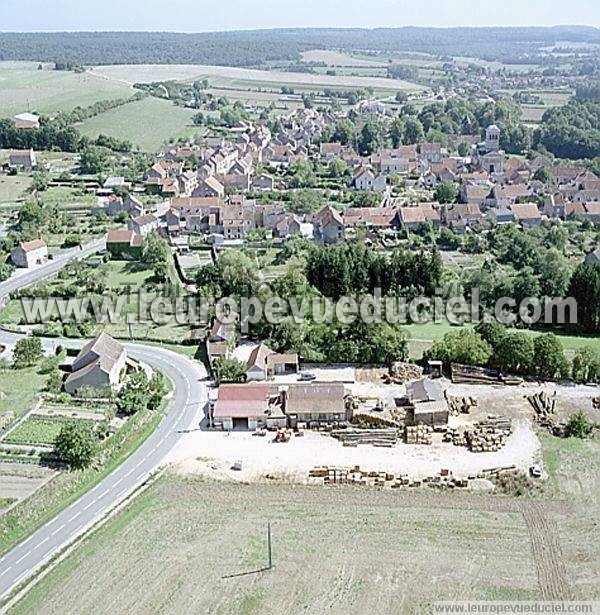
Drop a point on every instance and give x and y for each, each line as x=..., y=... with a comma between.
x=579, y=426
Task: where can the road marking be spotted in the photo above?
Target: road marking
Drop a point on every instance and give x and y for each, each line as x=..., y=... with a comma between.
x=90, y=504
x=5, y=571
x=23, y=557
x=20, y=578
x=102, y=494
x=74, y=516
x=39, y=544
x=119, y=481
x=57, y=530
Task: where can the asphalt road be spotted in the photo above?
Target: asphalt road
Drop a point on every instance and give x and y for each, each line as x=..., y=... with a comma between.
x=183, y=412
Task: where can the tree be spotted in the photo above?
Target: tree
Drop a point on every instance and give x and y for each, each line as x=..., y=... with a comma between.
x=445, y=192
x=303, y=174
x=579, y=426
x=584, y=287
x=93, y=160
x=305, y=201
x=156, y=252
x=515, y=353
x=39, y=181
x=54, y=382
x=461, y=346
x=549, y=358
x=135, y=395
x=370, y=139
x=338, y=168
x=492, y=332
x=396, y=132
x=344, y=132
x=463, y=149
x=413, y=131
x=586, y=365
x=229, y=370
x=27, y=351
x=157, y=390
x=76, y=444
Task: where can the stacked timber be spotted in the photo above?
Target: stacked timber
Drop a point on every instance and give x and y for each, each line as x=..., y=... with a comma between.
x=418, y=434
x=489, y=435
x=456, y=436
x=460, y=405
x=329, y=475
x=471, y=374
x=403, y=372
x=376, y=437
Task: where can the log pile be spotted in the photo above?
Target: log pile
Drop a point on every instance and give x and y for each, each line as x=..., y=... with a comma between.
x=403, y=372
x=471, y=374
x=460, y=405
x=544, y=406
x=418, y=434
x=456, y=436
x=489, y=435
x=328, y=475
x=377, y=437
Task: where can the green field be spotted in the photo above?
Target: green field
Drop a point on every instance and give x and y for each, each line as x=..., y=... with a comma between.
x=38, y=430
x=13, y=188
x=148, y=123
x=23, y=87
x=20, y=388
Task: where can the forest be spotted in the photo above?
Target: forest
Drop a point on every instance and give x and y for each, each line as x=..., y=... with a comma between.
x=254, y=48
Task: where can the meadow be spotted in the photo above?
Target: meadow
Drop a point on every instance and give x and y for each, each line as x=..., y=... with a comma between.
x=24, y=87
x=148, y=123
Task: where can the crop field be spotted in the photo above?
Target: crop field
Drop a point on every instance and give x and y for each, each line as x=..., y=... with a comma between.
x=132, y=121
x=20, y=387
x=37, y=430
x=13, y=189
x=24, y=87
x=241, y=78
x=338, y=550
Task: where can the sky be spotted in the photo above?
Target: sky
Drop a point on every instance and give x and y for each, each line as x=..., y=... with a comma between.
x=205, y=16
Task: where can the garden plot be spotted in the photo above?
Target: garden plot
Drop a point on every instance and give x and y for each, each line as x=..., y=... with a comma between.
x=18, y=481
x=38, y=431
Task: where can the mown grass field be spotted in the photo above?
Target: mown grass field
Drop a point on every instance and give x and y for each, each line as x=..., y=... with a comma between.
x=13, y=189
x=22, y=86
x=20, y=388
x=148, y=123
x=186, y=545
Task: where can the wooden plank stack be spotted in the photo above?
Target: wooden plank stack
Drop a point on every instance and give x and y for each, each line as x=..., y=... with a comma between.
x=471, y=374
x=489, y=435
x=328, y=475
x=377, y=437
x=418, y=434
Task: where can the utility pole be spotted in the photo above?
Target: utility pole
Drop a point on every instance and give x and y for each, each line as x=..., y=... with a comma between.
x=269, y=545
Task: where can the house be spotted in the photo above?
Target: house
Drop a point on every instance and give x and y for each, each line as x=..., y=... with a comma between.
x=411, y=217
x=263, y=182
x=467, y=213
x=142, y=225
x=329, y=225
x=100, y=364
x=290, y=225
x=329, y=151
x=526, y=214
x=371, y=217
x=209, y=187
x=501, y=215
x=116, y=182
x=222, y=337
x=509, y=194
x=245, y=406
x=29, y=253
x=426, y=403
x=22, y=159
x=26, y=120
x=389, y=165
x=366, y=180
x=124, y=244
x=317, y=402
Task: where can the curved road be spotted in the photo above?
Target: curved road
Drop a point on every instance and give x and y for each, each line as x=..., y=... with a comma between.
x=183, y=412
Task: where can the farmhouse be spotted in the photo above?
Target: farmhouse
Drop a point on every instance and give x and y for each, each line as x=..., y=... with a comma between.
x=329, y=225
x=426, y=403
x=22, y=159
x=29, y=253
x=124, y=244
x=142, y=225
x=245, y=406
x=100, y=364
x=26, y=120
x=526, y=214
x=317, y=402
